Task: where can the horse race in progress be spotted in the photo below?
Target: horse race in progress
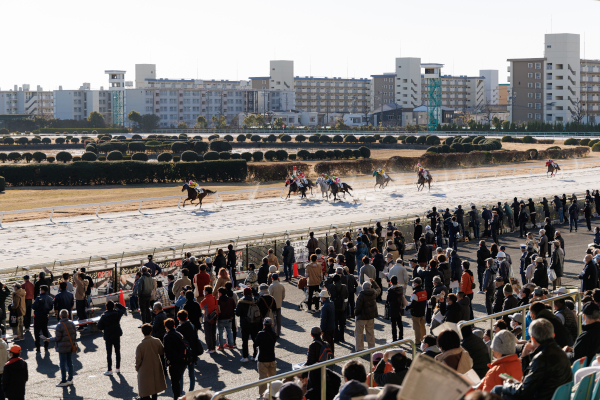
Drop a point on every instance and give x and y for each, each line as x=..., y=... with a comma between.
x=276, y=215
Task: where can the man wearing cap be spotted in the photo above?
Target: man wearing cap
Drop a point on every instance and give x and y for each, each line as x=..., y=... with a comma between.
x=18, y=306
x=366, y=312
x=327, y=319
x=153, y=268
x=587, y=343
x=506, y=361
x=15, y=375
x=264, y=347
x=540, y=275
x=29, y=290
x=503, y=266
x=557, y=261
x=498, y=295
x=525, y=261
x=265, y=301
x=510, y=301
x=42, y=306
x=277, y=291
x=516, y=324
x=249, y=329
x=418, y=303
x=339, y=297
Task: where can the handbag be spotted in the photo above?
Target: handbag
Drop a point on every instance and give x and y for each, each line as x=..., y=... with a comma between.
x=73, y=347
x=386, y=312
x=212, y=317
x=551, y=275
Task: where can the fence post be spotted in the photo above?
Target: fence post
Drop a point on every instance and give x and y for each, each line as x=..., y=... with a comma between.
x=326, y=242
x=116, y=280
x=97, y=212
x=324, y=383
x=1, y=218
x=530, y=171
x=247, y=256
x=477, y=176
x=140, y=207
x=51, y=215
x=514, y=170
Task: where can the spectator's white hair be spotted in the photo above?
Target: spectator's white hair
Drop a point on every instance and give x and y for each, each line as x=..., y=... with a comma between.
x=158, y=305
x=541, y=330
x=542, y=231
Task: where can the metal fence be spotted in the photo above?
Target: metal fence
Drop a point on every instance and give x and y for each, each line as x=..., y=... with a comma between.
x=322, y=366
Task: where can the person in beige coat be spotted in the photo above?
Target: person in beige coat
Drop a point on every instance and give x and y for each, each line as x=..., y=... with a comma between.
x=315, y=276
x=18, y=305
x=277, y=290
x=148, y=364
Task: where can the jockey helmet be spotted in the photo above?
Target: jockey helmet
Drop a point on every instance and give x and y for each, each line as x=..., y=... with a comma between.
x=191, y=182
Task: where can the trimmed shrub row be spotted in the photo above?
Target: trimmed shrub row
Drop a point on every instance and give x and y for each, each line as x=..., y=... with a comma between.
x=122, y=172
x=2, y=184
x=77, y=130
x=273, y=172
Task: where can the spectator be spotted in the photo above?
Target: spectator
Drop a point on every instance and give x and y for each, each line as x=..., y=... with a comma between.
x=81, y=285
x=557, y=264
x=455, y=271
x=277, y=291
x=444, y=269
x=174, y=350
x=327, y=319
x=266, y=302
x=179, y=284
x=201, y=280
x=314, y=274
x=42, y=306
x=391, y=249
x=483, y=253
x=4, y=294
x=29, y=290
x=543, y=243
x=188, y=331
x=350, y=257
x=15, y=375
x=465, y=305
x=597, y=234
x=477, y=350
x=366, y=312
x=252, y=278
x=145, y=289
x=232, y=264
x=65, y=337
x=367, y=271
x=313, y=244
x=272, y=259
x=452, y=355
x=149, y=365
x=88, y=290
x=587, y=214
x=573, y=215
x=587, y=343
x=429, y=346
x=399, y=361
x=263, y=271
x=503, y=266
x=162, y=296
x=43, y=280
x=219, y=262
x=4, y=354
x=499, y=295
x=561, y=334
x=192, y=266
x=506, y=361
x=134, y=300
x=510, y=301
x=395, y=302
x=453, y=309
x=209, y=305
x=362, y=250
x=589, y=275
x=423, y=252
x=152, y=267
x=399, y=271
x=226, y=315
x=354, y=372
x=63, y=300
x=249, y=327
x=19, y=308
x=110, y=323
x=223, y=278
x=264, y=346
x=516, y=324
x=351, y=284
x=548, y=360
x=566, y=316
x=158, y=324
x=193, y=310
x=523, y=218
x=418, y=303
x=288, y=260
x=489, y=286
x=467, y=281
x=379, y=265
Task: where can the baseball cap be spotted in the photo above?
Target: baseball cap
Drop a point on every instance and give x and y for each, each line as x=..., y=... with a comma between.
x=538, y=291
x=590, y=307
x=377, y=356
x=560, y=290
x=516, y=317
x=263, y=286
x=16, y=349
x=501, y=254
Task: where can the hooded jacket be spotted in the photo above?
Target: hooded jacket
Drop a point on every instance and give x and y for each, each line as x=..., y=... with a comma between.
x=110, y=323
x=19, y=302
x=366, y=303
x=457, y=359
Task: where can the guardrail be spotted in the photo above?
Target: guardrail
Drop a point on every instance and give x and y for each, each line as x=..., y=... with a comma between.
x=322, y=366
x=252, y=192
x=523, y=309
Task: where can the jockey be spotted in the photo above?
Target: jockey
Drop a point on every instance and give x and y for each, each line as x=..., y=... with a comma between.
x=423, y=172
x=337, y=180
x=551, y=162
x=382, y=173
x=194, y=185
x=298, y=182
x=302, y=177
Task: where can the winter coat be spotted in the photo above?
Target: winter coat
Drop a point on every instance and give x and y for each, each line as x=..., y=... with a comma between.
x=18, y=302
x=14, y=378
x=188, y=331
x=194, y=312
x=466, y=282
x=231, y=260
x=312, y=245
x=455, y=267
x=201, y=280
x=540, y=275
x=402, y=274
x=174, y=347
x=277, y=290
x=483, y=253
x=350, y=257
x=557, y=262
x=587, y=343
x=62, y=339
x=395, y=301
x=226, y=307
x=574, y=211
x=80, y=288
x=478, y=351
x=394, y=377
x=498, y=300
x=465, y=304
x=339, y=294
x=561, y=333
x=265, y=343
x=252, y=280
x=288, y=255
x=453, y=313
x=263, y=274
x=219, y=262
x=158, y=325
x=149, y=366
x=549, y=368
x=568, y=319
x=488, y=279
x=265, y=303
x=589, y=277
x=427, y=276
x=510, y=365
x=42, y=305
x=543, y=244
x=366, y=303
x=179, y=285
x=418, y=302
x=378, y=262
x=367, y=272
x=445, y=273
x=423, y=254
x=110, y=323
x=315, y=274
x=327, y=316
x=457, y=359
x=146, y=285
x=393, y=250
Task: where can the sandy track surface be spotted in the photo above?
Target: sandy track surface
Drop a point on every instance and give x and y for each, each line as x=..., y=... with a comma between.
x=39, y=241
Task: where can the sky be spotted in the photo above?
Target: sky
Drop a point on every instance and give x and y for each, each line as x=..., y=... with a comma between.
x=65, y=43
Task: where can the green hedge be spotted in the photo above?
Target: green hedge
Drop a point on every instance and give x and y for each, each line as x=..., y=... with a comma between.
x=2, y=184
x=122, y=172
x=71, y=130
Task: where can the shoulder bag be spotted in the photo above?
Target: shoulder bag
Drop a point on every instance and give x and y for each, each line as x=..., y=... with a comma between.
x=73, y=347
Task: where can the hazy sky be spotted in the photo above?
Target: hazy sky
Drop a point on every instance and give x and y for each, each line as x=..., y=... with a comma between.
x=52, y=43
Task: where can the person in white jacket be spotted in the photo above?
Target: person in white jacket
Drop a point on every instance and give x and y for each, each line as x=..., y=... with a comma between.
x=399, y=271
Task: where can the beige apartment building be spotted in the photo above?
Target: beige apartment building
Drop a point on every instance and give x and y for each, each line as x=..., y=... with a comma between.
x=460, y=92
x=527, y=87
x=503, y=93
x=382, y=90
x=590, y=90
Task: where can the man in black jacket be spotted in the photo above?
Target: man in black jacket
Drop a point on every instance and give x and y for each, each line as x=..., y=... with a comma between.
x=42, y=306
x=523, y=218
x=453, y=309
x=41, y=282
x=418, y=303
x=264, y=346
x=15, y=375
x=174, y=352
x=549, y=368
x=63, y=300
x=188, y=331
x=401, y=364
x=232, y=264
x=483, y=253
x=498, y=295
x=489, y=285
x=339, y=297
x=477, y=349
x=587, y=343
x=288, y=260
x=158, y=325
x=379, y=264
x=249, y=328
x=562, y=337
x=110, y=323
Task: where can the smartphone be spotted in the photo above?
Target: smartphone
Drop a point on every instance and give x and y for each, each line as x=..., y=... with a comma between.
x=505, y=377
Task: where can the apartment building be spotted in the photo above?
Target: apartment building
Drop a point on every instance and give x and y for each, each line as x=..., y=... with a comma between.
x=78, y=104
x=408, y=82
x=491, y=85
x=549, y=88
x=22, y=100
x=590, y=90
x=382, y=90
x=503, y=94
x=460, y=92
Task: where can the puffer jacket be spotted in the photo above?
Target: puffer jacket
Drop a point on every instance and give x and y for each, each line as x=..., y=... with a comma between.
x=457, y=359
x=466, y=282
x=366, y=303
x=549, y=368
x=510, y=365
x=445, y=273
x=393, y=250
x=61, y=338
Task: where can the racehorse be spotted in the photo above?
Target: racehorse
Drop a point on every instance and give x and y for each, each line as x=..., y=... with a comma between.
x=324, y=186
x=193, y=194
x=382, y=181
x=552, y=170
x=294, y=188
x=335, y=189
x=422, y=181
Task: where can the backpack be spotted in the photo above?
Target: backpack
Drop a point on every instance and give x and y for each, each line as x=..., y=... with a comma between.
x=269, y=313
x=188, y=354
x=253, y=314
x=325, y=353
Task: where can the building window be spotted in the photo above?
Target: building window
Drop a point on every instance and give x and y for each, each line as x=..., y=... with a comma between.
x=529, y=115
x=538, y=95
x=530, y=75
x=530, y=95
x=538, y=85
x=530, y=85
x=538, y=75
x=529, y=105
x=529, y=65
x=538, y=66
x=538, y=116
x=538, y=106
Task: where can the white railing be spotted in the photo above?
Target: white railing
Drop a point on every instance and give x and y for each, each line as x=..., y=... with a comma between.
x=217, y=202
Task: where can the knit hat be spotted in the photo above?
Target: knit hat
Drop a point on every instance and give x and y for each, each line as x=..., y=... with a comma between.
x=366, y=285
x=272, y=269
x=247, y=291
x=263, y=286
x=504, y=342
x=507, y=288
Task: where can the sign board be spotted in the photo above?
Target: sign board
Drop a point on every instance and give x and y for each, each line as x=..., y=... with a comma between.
x=300, y=250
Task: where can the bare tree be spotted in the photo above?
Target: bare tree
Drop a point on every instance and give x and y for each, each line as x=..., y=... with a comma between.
x=577, y=112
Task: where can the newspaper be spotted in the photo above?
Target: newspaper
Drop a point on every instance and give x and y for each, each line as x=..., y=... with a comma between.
x=445, y=326
x=429, y=379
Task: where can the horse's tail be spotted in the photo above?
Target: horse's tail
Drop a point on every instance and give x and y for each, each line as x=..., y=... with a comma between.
x=209, y=192
x=349, y=187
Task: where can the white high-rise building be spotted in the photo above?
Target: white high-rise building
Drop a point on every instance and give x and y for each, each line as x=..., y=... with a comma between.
x=25, y=101
x=408, y=82
x=491, y=85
